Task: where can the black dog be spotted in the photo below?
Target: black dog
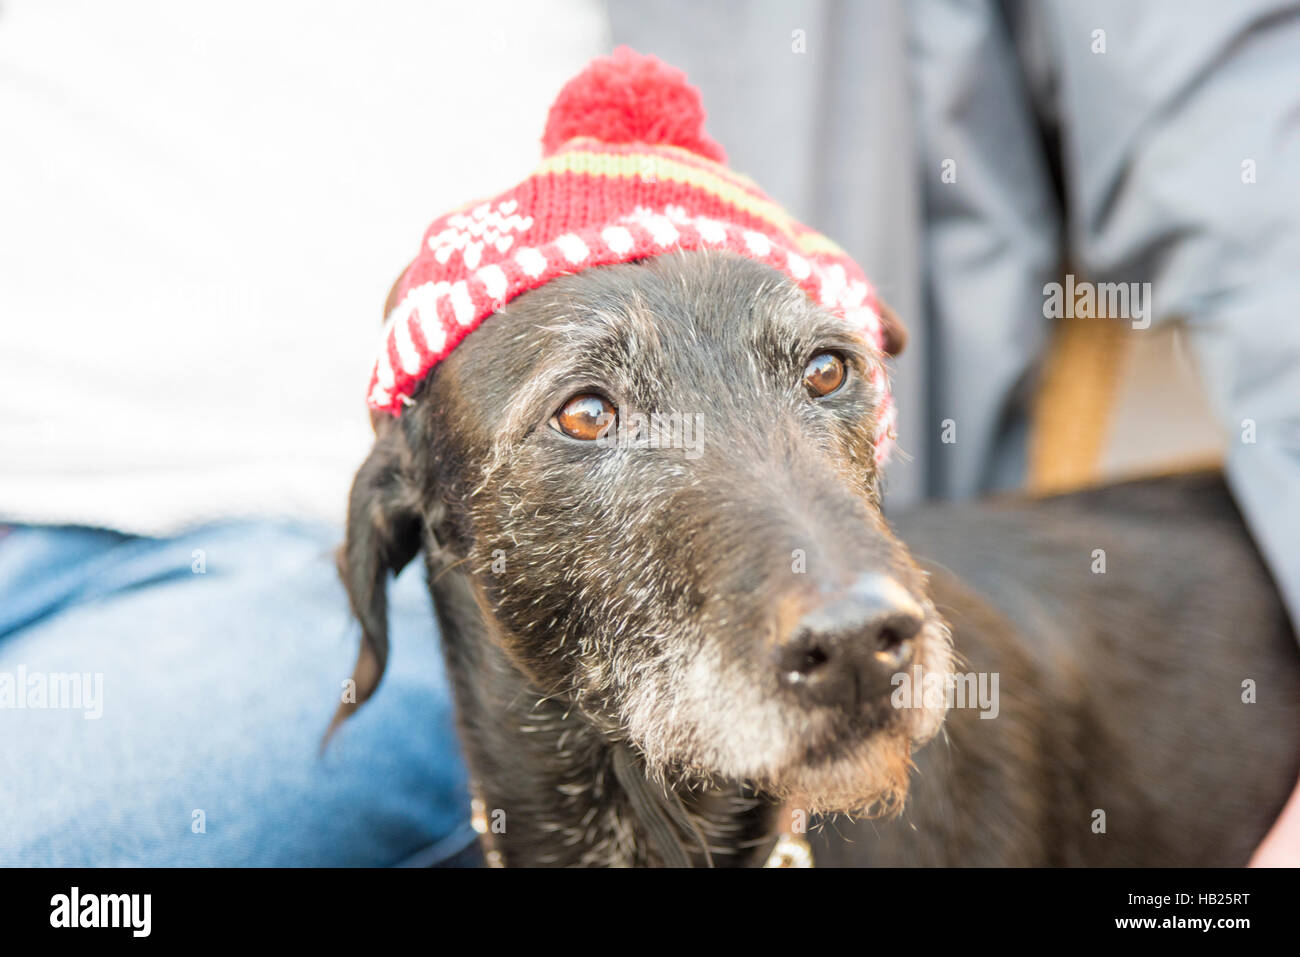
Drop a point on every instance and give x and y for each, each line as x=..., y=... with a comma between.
x=648, y=503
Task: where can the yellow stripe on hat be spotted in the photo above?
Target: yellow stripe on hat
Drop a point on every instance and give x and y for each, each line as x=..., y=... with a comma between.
x=695, y=160
x=815, y=244
x=654, y=166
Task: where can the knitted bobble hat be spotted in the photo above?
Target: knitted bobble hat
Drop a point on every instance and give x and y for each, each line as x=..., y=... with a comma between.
x=627, y=173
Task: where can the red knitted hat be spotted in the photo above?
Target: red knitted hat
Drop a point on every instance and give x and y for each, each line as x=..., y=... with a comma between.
x=627, y=173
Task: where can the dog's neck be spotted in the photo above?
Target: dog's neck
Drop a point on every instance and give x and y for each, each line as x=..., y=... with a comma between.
x=545, y=774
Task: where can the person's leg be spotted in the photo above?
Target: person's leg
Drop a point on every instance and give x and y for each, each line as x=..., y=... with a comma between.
x=209, y=667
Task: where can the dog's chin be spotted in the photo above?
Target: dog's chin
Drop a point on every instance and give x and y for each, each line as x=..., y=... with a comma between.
x=861, y=770
x=868, y=776
x=820, y=760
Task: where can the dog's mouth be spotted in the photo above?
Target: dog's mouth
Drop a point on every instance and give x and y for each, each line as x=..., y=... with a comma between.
x=826, y=757
x=859, y=762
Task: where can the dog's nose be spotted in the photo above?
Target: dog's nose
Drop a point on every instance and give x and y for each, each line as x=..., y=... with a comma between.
x=846, y=651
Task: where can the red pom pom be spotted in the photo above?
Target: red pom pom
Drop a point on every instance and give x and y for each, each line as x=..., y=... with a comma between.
x=630, y=98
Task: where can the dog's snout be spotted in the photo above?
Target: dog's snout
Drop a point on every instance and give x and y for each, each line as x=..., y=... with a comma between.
x=846, y=651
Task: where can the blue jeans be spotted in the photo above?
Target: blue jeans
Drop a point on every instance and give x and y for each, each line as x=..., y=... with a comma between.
x=163, y=701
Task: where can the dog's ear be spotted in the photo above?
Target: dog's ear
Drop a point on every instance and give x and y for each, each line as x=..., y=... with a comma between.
x=383, y=535
x=895, y=333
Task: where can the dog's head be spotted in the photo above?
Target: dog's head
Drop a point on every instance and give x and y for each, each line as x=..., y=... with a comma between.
x=659, y=478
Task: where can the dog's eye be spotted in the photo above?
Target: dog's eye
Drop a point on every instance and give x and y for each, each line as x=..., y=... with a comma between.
x=585, y=417
x=824, y=374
